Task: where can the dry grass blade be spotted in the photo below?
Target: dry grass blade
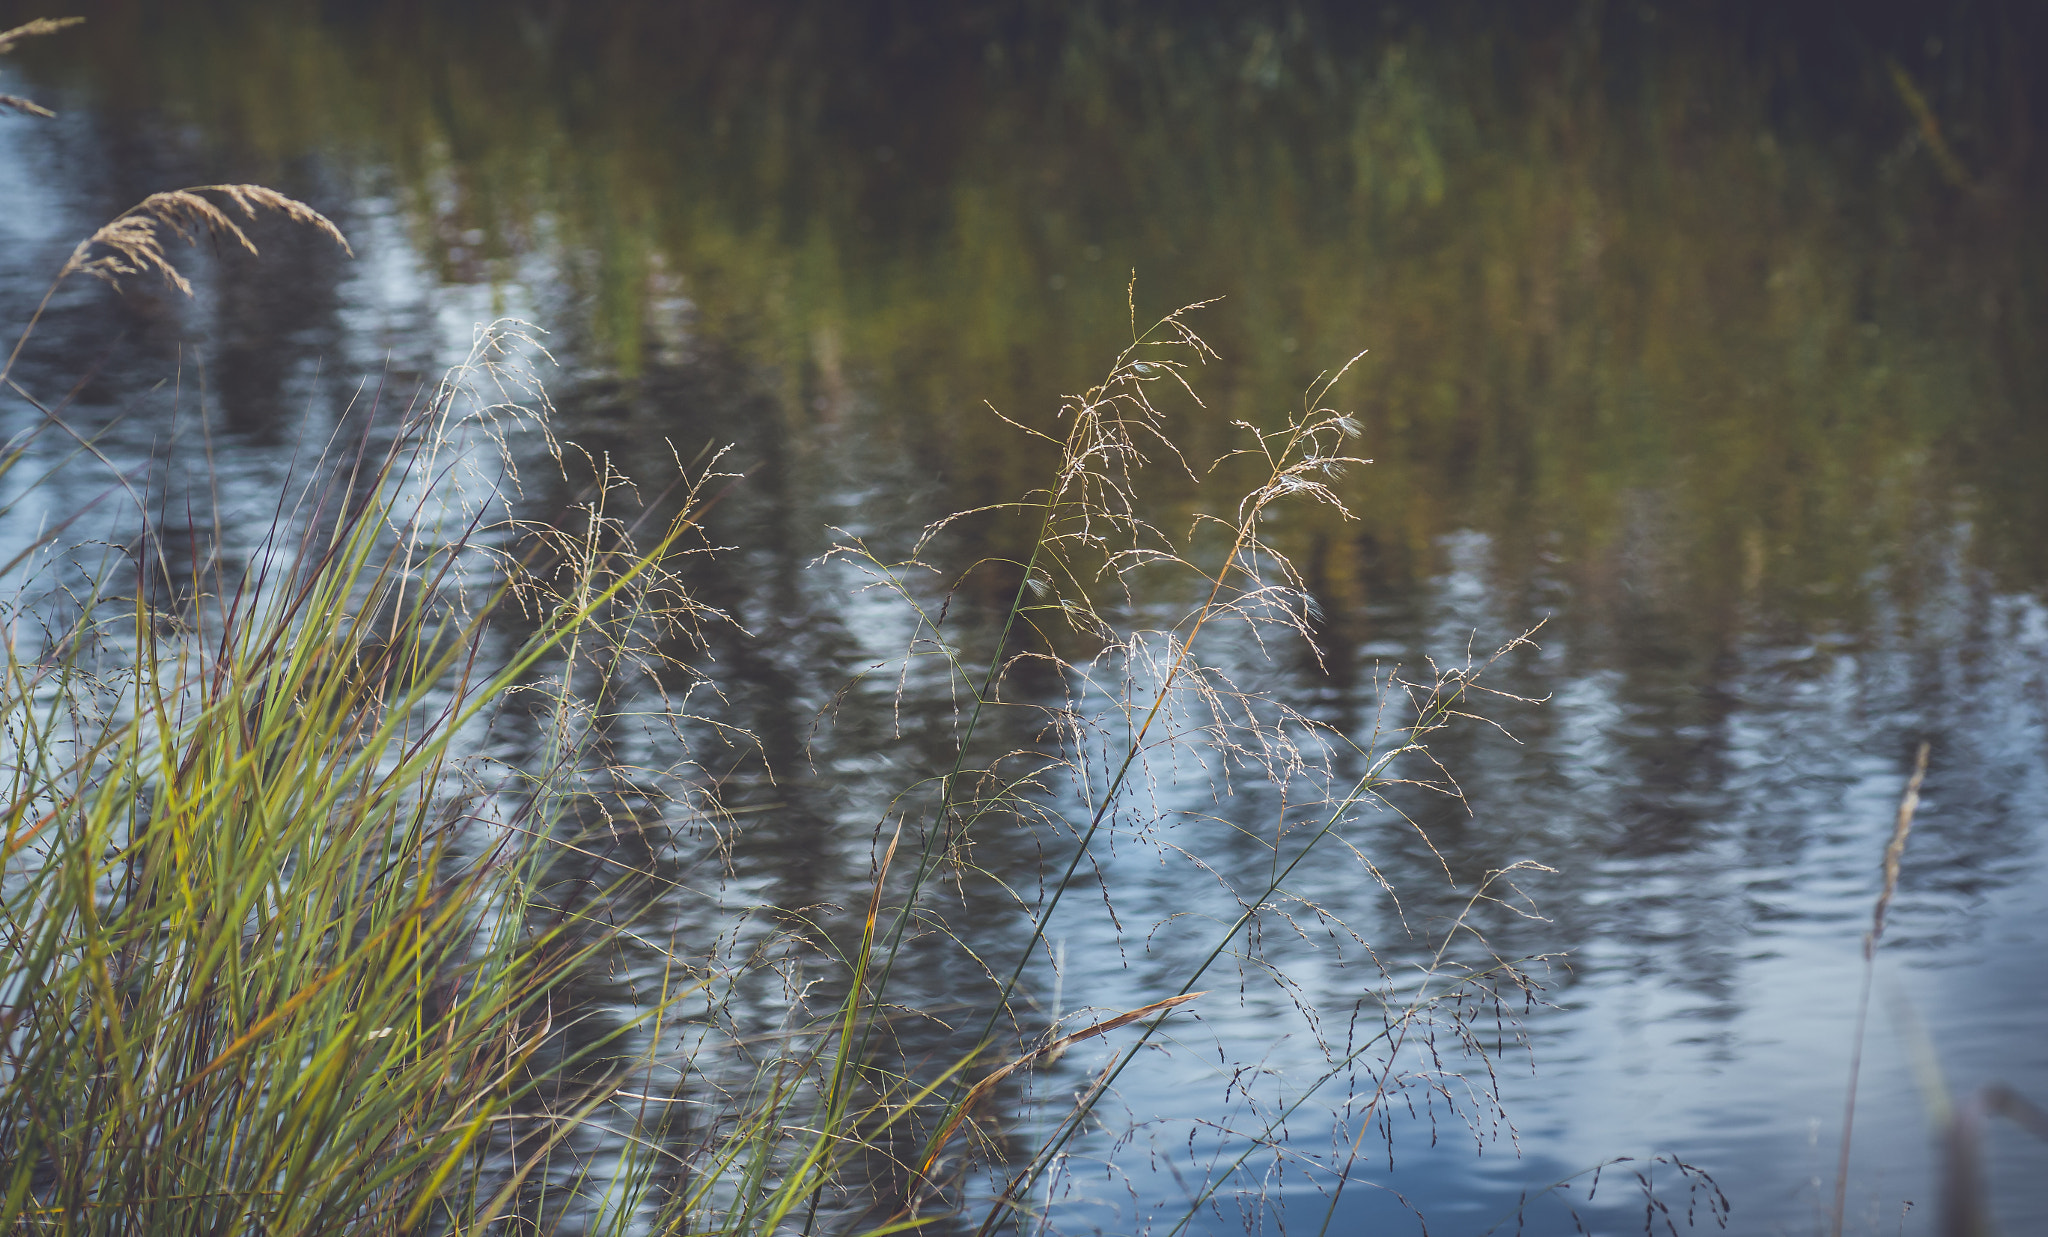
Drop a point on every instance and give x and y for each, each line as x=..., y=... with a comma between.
x=33, y=29
x=29, y=30
x=1894, y=851
x=980, y=1089
x=30, y=106
x=1142, y=700
x=132, y=243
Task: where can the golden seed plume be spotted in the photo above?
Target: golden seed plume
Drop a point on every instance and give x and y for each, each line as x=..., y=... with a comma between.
x=29, y=30
x=20, y=104
x=132, y=243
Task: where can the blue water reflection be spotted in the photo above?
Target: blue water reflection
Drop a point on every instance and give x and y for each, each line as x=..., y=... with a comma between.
x=1762, y=558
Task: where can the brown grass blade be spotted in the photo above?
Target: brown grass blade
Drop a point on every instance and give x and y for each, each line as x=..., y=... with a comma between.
x=34, y=29
x=1060, y=1045
x=20, y=104
x=29, y=30
x=1894, y=851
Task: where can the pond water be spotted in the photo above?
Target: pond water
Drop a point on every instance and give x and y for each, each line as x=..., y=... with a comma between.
x=1704, y=346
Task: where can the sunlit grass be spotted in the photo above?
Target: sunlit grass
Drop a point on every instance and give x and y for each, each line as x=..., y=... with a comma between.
x=288, y=951
x=290, y=948
x=277, y=957
x=276, y=960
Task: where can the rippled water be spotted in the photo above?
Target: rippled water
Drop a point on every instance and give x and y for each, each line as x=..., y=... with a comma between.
x=1722, y=378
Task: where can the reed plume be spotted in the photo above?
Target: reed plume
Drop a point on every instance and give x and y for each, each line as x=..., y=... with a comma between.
x=30, y=30
x=132, y=243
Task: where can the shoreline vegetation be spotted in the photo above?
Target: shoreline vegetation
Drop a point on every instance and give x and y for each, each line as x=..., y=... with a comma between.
x=287, y=943
x=289, y=935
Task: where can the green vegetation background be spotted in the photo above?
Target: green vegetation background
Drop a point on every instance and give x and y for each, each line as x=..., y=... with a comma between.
x=1758, y=276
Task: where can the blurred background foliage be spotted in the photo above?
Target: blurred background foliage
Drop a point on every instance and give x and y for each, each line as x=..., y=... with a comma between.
x=1749, y=289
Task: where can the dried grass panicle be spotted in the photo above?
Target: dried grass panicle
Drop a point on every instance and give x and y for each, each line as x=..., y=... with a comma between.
x=29, y=30
x=19, y=104
x=34, y=28
x=132, y=243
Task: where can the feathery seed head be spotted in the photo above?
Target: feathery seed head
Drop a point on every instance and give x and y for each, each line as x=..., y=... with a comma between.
x=29, y=30
x=133, y=242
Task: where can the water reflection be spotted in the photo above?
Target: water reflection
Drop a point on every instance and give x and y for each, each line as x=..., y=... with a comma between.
x=1700, y=362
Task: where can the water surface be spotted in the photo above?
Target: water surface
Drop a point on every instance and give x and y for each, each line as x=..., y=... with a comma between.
x=1705, y=347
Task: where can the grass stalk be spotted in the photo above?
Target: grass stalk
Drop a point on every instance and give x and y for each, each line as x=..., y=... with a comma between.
x=274, y=955
x=1894, y=851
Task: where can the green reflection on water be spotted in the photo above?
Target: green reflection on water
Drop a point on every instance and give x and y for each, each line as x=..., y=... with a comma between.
x=1674, y=297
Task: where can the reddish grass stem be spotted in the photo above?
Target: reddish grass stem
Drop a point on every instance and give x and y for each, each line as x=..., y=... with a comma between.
x=1893, y=851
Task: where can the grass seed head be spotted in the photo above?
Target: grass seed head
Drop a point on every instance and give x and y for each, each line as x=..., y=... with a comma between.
x=132, y=243
x=29, y=30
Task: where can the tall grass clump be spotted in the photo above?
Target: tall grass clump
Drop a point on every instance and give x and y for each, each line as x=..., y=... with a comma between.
x=277, y=936
x=308, y=849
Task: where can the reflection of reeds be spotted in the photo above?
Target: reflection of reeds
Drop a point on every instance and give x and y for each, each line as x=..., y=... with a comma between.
x=1965, y=1198
x=1675, y=285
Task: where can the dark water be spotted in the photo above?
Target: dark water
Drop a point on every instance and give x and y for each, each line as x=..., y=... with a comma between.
x=1707, y=341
